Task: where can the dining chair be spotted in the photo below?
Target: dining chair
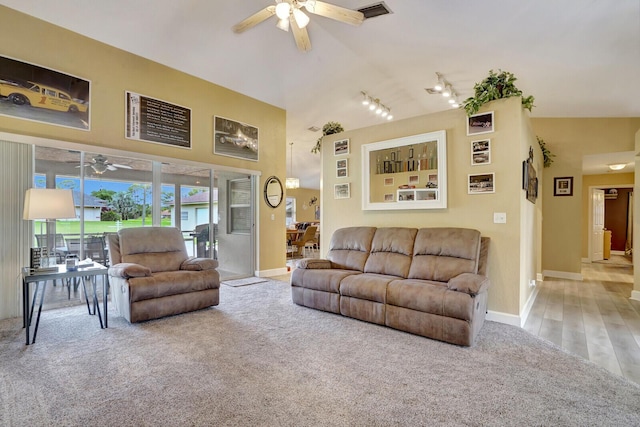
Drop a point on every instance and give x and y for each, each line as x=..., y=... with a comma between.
x=298, y=246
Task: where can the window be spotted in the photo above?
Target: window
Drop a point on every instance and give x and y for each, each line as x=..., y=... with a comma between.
x=184, y=215
x=240, y=206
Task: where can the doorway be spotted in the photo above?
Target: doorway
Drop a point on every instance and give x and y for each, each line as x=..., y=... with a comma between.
x=617, y=223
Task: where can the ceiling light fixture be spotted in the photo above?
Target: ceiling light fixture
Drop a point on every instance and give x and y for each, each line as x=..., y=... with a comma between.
x=374, y=105
x=291, y=182
x=617, y=166
x=444, y=88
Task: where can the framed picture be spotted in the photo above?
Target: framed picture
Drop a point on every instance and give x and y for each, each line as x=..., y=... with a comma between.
x=563, y=186
x=341, y=147
x=529, y=178
x=44, y=95
x=433, y=181
x=342, y=169
x=388, y=197
x=388, y=181
x=480, y=123
x=342, y=191
x=481, y=183
x=481, y=152
x=152, y=120
x=414, y=179
x=235, y=139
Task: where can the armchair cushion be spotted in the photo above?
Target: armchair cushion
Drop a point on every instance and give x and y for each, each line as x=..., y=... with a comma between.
x=129, y=269
x=199, y=264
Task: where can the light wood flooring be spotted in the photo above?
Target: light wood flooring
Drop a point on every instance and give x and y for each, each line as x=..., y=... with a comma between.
x=593, y=318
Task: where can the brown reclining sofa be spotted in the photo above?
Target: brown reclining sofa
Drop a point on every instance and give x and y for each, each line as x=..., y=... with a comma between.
x=429, y=281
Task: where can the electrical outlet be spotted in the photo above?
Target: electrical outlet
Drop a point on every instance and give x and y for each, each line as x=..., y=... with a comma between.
x=499, y=217
x=532, y=283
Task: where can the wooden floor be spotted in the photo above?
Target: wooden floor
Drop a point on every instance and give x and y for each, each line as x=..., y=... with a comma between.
x=593, y=318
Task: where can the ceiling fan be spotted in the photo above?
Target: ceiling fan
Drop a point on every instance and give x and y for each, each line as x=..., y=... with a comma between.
x=100, y=164
x=290, y=14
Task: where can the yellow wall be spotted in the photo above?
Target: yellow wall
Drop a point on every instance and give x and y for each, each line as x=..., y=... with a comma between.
x=625, y=179
x=509, y=147
x=304, y=212
x=571, y=139
x=112, y=72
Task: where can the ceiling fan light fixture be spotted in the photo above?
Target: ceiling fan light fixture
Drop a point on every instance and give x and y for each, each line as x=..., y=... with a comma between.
x=301, y=18
x=283, y=24
x=310, y=5
x=282, y=10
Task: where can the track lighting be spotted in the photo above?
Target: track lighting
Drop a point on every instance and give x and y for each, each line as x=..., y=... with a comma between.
x=440, y=84
x=444, y=88
x=446, y=92
x=374, y=105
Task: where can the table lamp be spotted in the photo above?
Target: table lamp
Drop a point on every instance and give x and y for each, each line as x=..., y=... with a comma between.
x=49, y=204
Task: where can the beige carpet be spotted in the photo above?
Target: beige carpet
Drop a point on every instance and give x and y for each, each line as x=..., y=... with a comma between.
x=257, y=359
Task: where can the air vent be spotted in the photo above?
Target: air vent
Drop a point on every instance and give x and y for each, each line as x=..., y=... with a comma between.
x=374, y=10
x=314, y=129
x=431, y=91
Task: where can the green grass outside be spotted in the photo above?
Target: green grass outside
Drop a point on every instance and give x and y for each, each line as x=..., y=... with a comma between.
x=96, y=227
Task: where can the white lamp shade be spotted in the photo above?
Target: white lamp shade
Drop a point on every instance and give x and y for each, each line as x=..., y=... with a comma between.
x=48, y=203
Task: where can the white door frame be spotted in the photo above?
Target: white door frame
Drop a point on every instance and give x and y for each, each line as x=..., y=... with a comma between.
x=590, y=209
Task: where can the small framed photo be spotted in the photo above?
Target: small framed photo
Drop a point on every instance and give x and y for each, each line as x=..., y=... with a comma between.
x=388, y=197
x=388, y=181
x=341, y=191
x=563, y=186
x=480, y=123
x=481, y=152
x=433, y=181
x=482, y=183
x=341, y=147
x=342, y=169
x=413, y=179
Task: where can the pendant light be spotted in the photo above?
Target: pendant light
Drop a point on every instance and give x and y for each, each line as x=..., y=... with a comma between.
x=291, y=183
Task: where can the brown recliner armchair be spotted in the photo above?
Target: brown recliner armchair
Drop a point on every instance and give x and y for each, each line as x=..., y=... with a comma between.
x=152, y=276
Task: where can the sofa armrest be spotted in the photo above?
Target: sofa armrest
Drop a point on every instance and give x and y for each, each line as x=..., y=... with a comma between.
x=469, y=283
x=129, y=269
x=199, y=264
x=314, y=264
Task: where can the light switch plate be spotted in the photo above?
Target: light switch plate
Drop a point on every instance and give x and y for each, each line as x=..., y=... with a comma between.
x=499, y=217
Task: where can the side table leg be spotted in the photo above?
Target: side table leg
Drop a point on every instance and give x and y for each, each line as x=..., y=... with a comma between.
x=44, y=289
x=96, y=305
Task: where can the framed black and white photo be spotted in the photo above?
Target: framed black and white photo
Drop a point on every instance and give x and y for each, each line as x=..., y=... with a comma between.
x=480, y=123
x=341, y=147
x=44, y=95
x=342, y=169
x=388, y=197
x=235, y=139
x=152, y=120
x=481, y=183
x=481, y=152
x=342, y=191
x=563, y=186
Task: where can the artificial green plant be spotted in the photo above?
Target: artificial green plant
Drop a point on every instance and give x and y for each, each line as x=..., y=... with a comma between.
x=328, y=129
x=495, y=86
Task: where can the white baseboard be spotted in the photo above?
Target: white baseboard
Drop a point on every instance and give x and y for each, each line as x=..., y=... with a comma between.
x=272, y=272
x=635, y=295
x=539, y=277
x=509, y=319
x=562, y=275
x=586, y=260
x=617, y=253
x=527, y=307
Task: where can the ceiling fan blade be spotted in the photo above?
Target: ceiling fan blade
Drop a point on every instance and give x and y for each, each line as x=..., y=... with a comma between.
x=332, y=11
x=121, y=166
x=255, y=19
x=301, y=36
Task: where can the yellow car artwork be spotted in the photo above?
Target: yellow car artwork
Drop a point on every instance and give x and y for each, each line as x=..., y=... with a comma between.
x=39, y=95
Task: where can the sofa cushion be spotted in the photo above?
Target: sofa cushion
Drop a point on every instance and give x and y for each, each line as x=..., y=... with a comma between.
x=430, y=297
x=442, y=253
x=349, y=247
x=159, y=248
x=319, y=279
x=366, y=286
x=391, y=251
x=168, y=283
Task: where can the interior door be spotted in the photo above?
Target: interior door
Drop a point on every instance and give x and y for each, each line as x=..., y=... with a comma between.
x=597, y=230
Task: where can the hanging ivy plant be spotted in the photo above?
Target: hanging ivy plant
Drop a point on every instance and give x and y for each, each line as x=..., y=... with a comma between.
x=495, y=86
x=546, y=154
x=328, y=129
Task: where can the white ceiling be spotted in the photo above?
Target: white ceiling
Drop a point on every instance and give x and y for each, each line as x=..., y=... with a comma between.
x=579, y=58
